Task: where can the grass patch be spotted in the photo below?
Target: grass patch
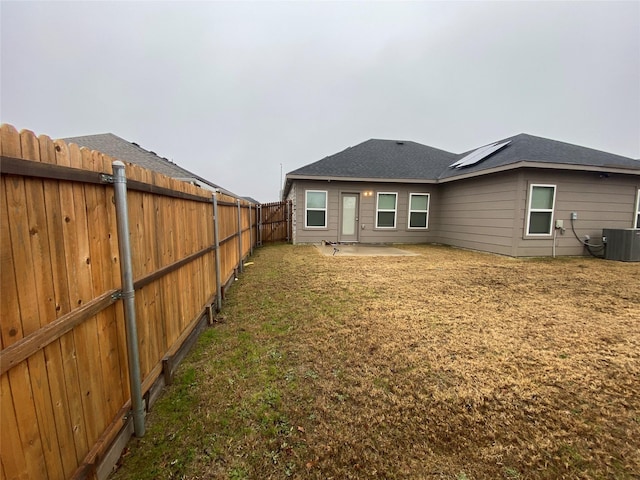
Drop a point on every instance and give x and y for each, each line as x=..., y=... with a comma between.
x=451, y=364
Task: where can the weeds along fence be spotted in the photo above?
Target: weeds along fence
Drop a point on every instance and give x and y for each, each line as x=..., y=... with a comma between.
x=66, y=364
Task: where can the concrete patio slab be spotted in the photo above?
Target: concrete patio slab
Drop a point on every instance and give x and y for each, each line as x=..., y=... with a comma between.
x=357, y=250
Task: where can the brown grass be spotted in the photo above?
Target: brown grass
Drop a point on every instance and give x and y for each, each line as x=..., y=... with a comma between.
x=451, y=364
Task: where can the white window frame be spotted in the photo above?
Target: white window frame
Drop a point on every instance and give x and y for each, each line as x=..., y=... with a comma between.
x=426, y=212
x=395, y=210
x=637, y=219
x=325, y=209
x=548, y=210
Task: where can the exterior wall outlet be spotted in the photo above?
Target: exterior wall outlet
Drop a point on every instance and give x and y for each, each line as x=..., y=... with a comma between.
x=559, y=224
x=574, y=215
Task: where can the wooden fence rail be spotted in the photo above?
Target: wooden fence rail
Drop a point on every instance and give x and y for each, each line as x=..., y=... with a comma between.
x=64, y=385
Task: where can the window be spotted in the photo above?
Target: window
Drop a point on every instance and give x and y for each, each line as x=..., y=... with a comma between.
x=540, y=214
x=315, y=209
x=638, y=210
x=418, y=210
x=386, y=210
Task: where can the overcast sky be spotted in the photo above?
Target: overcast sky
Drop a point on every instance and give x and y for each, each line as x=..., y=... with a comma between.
x=232, y=90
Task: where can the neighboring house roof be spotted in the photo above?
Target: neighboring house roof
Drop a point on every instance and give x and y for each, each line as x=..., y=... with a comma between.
x=391, y=160
x=119, y=148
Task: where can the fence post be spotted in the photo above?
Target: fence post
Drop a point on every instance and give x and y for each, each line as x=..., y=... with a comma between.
x=216, y=236
x=259, y=220
x=128, y=296
x=250, y=230
x=240, y=268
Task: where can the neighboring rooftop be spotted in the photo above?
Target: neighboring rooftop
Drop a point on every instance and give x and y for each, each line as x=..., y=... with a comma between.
x=126, y=151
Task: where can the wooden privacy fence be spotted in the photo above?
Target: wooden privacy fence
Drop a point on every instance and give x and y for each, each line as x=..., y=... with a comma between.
x=275, y=222
x=65, y=392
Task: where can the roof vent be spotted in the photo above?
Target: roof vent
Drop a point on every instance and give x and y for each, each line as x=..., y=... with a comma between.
x=398, y=142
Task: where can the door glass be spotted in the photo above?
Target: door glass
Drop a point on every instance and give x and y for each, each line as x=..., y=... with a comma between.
x=348, y=215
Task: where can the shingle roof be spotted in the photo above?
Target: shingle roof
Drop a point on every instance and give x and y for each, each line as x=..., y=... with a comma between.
x=529, y=148
x=400, y=160
x=121, y=149
x=390, y=159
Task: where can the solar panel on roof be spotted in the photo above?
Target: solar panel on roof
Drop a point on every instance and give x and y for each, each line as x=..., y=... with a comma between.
x=478, y=155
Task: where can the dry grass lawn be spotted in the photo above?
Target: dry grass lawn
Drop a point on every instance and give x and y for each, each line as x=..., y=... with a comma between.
x=447, y=365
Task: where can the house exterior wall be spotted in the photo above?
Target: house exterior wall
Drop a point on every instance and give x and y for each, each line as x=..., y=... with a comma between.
x=490, y=213
x=292, y=197
x=478, y=213
x=367, y=231
x=487, y=213
x=600, y=201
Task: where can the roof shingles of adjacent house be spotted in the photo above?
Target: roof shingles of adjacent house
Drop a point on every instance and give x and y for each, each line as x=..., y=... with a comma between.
x=121, y=149
x=405, y=160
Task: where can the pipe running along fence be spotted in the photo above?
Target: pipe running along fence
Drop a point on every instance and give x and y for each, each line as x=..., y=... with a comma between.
x=108, y=273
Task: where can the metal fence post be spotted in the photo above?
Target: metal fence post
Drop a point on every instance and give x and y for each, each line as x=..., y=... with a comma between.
x=128, y=296
x=240, y=268
x=216, y=235
x=259, y=220
x=250, y=230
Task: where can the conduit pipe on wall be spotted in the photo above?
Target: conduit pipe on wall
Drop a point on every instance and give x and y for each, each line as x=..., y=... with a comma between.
x=128, y=296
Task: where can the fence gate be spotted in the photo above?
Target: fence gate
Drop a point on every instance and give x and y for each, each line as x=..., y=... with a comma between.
x=274, y=222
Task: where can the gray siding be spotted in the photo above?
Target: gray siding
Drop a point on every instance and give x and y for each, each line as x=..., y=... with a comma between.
x=487, y=213
x=600, y=202
x=478, y=213
x=367, y=212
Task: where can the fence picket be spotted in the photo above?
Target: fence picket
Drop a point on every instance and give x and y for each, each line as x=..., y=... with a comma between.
x=69, y=247
x=59, y=378
x=44, y=295
x=19, y=377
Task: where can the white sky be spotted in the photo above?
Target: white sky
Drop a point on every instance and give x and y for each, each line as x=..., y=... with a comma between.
x=231, y=90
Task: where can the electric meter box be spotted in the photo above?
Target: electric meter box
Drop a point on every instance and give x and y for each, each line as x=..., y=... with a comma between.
x=622, y=244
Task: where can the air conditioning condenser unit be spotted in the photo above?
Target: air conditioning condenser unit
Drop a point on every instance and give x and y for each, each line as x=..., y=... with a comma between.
x=622, y=244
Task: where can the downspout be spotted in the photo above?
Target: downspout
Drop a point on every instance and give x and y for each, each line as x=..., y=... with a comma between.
x=288, y=214
x=128, y=296
x=216, y=235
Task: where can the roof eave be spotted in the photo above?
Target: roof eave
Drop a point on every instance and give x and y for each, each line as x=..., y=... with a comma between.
x=331, y=178
x=503, y=168
x=545, y=165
